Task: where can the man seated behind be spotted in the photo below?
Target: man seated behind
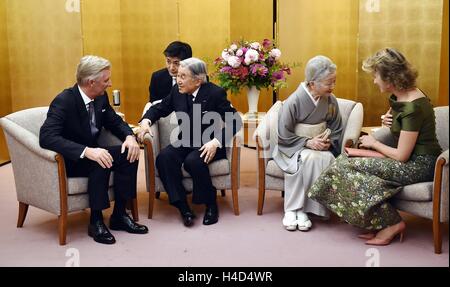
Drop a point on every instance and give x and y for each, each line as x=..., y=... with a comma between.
x=163, y=80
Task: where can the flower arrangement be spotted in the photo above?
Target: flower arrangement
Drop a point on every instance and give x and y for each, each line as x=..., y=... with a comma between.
x=251, y=64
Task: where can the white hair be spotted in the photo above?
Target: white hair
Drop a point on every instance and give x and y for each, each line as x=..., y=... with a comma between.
x=90, y=68
x=318, y=68
x=197, y=68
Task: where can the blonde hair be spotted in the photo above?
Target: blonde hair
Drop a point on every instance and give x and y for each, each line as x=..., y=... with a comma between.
x=392, y=67
x=90, y=68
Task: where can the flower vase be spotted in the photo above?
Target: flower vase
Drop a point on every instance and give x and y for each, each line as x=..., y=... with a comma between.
x=253, y=97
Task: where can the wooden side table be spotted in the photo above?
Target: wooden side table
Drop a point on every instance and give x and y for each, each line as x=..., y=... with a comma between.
x=369, y=130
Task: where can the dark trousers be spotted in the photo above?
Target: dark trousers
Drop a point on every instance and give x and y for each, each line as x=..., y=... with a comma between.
x=169, y=163
x=125, y=174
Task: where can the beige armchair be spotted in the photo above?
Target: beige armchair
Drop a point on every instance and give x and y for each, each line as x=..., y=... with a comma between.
x=269, y=175
x=427, y=199
x=40, y=175
x=224, y=173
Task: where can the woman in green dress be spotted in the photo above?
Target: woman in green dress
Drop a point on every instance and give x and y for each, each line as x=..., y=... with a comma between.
x=358, y=189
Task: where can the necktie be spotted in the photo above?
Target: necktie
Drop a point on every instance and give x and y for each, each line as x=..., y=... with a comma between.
x=94, y=129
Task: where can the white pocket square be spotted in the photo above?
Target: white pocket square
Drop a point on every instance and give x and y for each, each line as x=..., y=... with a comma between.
x=103, y=110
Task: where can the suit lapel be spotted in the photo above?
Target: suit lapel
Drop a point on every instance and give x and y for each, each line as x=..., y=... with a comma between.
x=202, y=96
x=82, y=111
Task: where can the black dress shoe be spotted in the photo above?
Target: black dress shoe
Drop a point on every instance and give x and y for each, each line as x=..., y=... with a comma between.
x=188, y=218
x=125, y=222
x=100, y=233
x=211, y=215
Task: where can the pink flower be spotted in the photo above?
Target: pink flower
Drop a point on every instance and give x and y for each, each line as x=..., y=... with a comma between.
x=275, y=53
x=267, y=43
x=234, y=61
x=251, y=56
x=277, y=76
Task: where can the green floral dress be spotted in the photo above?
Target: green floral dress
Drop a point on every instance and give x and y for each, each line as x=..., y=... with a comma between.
x=358, y=189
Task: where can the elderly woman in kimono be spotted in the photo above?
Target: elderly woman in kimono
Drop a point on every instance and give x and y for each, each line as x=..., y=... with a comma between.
x=309, y=133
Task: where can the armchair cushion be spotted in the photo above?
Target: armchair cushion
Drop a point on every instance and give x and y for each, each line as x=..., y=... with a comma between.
x=421, y=191
x=78, y=185
x=273, y=169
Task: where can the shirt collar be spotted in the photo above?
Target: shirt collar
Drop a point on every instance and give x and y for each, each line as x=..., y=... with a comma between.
x=194, y=94
x=309, y=94
x=86, y=99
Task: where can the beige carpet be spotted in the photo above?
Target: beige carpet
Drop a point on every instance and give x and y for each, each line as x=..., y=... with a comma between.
x=245, y=240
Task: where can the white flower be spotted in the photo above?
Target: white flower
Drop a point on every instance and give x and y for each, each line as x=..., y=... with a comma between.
x=255, y=45
x=234, y=61
x=239, y=53
x=251, y=56
x=233, y=47
x=275, y=53
x=225, y=55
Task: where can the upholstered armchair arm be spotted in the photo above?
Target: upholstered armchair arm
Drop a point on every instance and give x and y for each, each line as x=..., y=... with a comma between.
x=385, y=136
x=440, y=187
x=353, y=129
x=35, y=171
x=27, y=139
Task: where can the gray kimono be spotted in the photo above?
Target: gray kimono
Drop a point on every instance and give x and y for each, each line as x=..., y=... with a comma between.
x=302, y=166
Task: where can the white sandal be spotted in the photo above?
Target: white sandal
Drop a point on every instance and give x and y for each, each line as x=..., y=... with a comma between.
x=290, y=220
x=303, y=222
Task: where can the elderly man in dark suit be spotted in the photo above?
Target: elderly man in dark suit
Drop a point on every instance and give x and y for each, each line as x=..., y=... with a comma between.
x=74, y=121
x=202, y=108
x=163, y=80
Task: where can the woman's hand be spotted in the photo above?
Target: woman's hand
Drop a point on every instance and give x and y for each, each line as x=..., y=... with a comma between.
x=367, y=141
x=386, y=119
x=317, y=143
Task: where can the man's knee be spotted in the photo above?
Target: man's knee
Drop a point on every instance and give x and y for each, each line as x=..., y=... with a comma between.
x=165, y=156
x=193, y=162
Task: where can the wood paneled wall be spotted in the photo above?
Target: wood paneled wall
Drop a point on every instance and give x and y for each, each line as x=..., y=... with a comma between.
x=320, y=27
x=412, y=26
x=5, y=87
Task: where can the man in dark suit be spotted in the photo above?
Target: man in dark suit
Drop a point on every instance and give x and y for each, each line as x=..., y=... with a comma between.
x=201, y=108
x=74, y=121
x=163, y=80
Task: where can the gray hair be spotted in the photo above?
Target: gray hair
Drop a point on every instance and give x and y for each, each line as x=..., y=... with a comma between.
x=90, y=68
x=197, y=68
x=318, y=68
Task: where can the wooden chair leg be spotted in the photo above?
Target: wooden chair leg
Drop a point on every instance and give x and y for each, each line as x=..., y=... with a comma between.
x=134, y=209
x=437, y=236
x=23, y=209
x=234, y=192
x=151, y=200
x=62, y=228
x=222, y=192
x=261, y=197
